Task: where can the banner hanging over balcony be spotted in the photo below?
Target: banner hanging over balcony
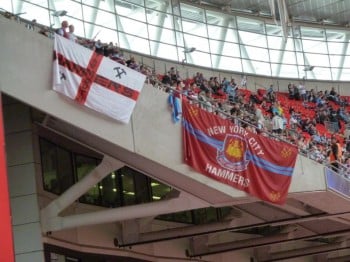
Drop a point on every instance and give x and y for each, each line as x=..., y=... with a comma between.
x=94, y=80
x=221, y=150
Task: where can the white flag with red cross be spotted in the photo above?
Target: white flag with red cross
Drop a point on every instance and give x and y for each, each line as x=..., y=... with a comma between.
x=94, y=80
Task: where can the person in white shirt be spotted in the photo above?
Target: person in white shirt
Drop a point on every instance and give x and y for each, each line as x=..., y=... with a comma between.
x=277, y=124
x=302, y=91
x=70, y=33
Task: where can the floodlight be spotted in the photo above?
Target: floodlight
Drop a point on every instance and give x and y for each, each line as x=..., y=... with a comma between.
x=59, y=13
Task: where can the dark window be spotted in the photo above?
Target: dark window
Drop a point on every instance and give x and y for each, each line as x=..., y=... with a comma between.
x=61, y=168
x=83, y=166
x=56, y=167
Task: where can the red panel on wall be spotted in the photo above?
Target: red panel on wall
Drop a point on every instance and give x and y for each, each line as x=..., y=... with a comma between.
x=6, y=242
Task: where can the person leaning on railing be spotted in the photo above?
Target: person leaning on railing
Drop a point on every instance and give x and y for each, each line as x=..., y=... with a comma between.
x=335, y=154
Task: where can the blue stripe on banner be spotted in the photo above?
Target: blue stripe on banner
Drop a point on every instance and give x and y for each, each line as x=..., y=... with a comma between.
x=261, y=163
x=264, y=164
x=201, y=136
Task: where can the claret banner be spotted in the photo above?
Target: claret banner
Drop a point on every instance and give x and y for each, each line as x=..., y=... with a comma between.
x=221, y=150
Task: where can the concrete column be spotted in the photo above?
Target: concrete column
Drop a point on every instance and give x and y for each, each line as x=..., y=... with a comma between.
x=21, y=176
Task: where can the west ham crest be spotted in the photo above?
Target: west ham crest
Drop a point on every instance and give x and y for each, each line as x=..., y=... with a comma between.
x=233, y=154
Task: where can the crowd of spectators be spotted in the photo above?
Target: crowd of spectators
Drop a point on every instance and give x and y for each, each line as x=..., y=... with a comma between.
x=313, y=120
x=317, y=128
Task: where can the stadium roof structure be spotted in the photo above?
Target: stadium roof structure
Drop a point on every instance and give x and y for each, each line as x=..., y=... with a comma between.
x=333, y=12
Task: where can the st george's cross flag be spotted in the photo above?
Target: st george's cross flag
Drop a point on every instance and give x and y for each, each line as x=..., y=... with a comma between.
x=95, y=81
x=230, y=154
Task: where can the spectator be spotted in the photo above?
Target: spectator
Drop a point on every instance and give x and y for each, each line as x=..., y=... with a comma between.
x=335, y=154
x=277, y=123
x=260, y=119
x=63, y=30
x=70, y=34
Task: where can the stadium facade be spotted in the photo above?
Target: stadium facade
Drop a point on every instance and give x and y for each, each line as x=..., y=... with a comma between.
x=84, y=187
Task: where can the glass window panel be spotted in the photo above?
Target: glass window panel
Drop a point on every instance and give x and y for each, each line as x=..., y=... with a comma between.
x=78, y=27
x=198, y=42
x=276, y=56
x=256, y=53
x=205, y=215
x=159, y=190
x=43, y=3
x=345, y=74
x=139, y=44
x=336, y=61
x=230, y=49
x=110, y=191
x=253, y=39
x=179, y=38
x=290, y=44
x=200, y=59
x=312, y=33
x=73, y=8
x=195, y=28
x=317, y=59
x=136, y=2
x=181, y=217
x=158, y=5
x=215, y=32
x=106, y=19
x=231, y=36
x=104, y=5
x=189, y=12
x=280, y=70
x=224, y=48
x=169, y=22
x=275, y=42
x=131, y=10
x=314, y=46
x=347, y=50
x=161, y=34
x=134, y=27
x=215, y=18
x=177, y=23
x=7, y=6
x=256, y=67
x=300, y=58
x=336, y=35
x=30, y=12
x=298, y=45
x=142, y=188
x=336, y=73
x=251, y=25
x=156, y=18
x=336, y=48
x=273, y=30
x=285, y=57
x=226, y=212
x=346, y=61
x=100, y=33
x=175, y=8
x=49, y=166
x=89, y=13
x=64, y=169
x=84, y=165
x=320, y=73
x=219, y=18
x=128, y=186
x=164, y=51
x=227, y=63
